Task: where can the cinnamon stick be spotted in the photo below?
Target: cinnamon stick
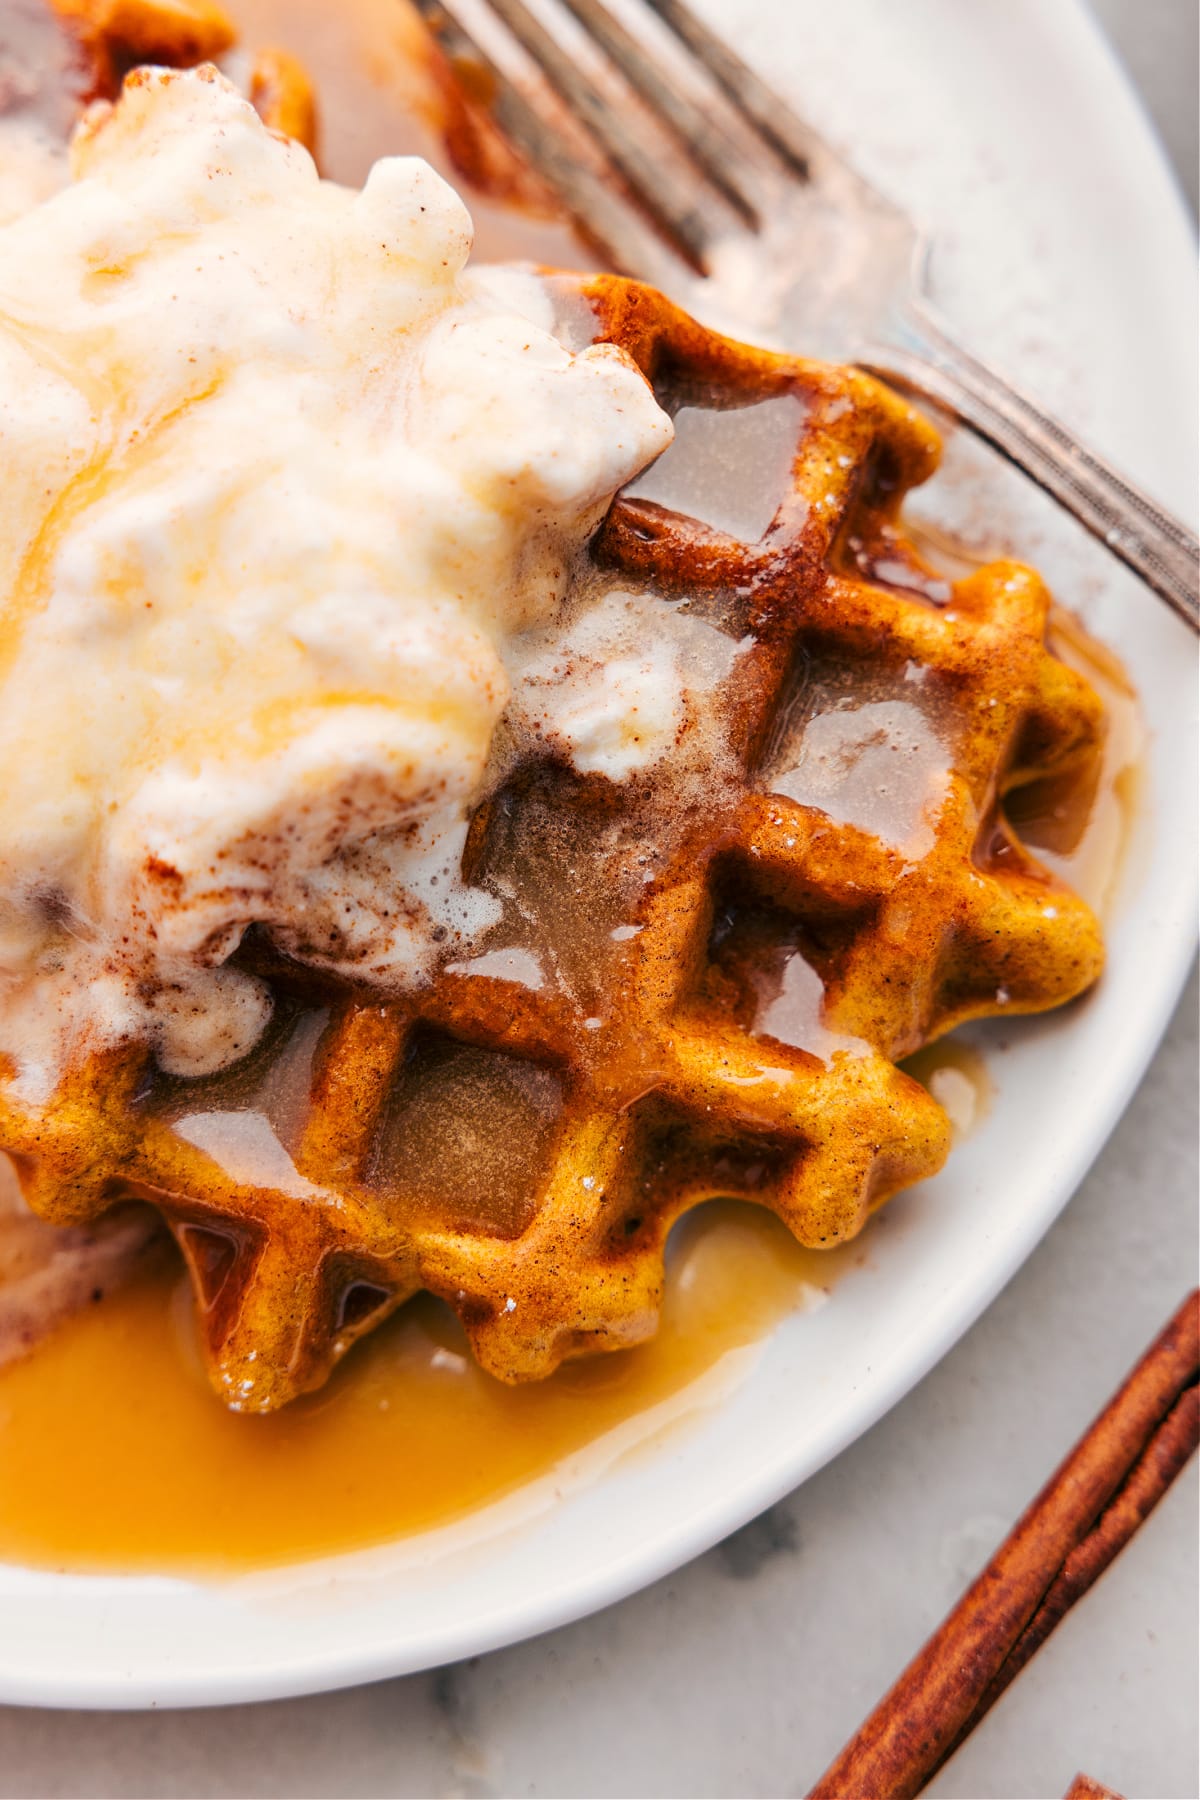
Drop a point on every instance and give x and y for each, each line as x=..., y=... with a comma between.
x=1087, y=1511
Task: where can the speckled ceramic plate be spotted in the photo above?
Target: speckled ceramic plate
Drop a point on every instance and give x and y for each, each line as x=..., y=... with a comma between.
x=1065, y=255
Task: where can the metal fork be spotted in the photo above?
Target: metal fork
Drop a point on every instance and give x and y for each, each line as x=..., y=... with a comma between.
x=704, y=182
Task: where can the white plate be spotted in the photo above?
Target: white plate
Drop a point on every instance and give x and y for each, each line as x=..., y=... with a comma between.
x=1065, y=254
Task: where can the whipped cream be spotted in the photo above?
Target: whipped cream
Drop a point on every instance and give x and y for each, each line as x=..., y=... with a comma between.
x=32, y=165
x=617, y=688
x=282, y=484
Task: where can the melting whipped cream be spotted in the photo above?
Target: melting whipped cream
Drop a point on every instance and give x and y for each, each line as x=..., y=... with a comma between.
x=281, y=484
x=614, y=689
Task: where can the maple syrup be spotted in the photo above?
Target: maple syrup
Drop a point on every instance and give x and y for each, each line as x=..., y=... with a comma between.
x=115, y=1455
x=956, y=1074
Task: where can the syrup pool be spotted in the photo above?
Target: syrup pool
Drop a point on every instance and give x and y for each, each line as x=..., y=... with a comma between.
x=114, y=1454
x=729, y=468
x=955, y=1072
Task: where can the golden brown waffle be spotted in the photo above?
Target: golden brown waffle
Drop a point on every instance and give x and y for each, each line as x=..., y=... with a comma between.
x=522, y=1147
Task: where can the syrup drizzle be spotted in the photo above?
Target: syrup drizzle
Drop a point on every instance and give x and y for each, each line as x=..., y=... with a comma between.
x=728, y=467
x=876, y=758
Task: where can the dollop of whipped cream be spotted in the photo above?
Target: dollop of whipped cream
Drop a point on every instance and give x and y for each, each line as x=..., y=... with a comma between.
x=281, y=484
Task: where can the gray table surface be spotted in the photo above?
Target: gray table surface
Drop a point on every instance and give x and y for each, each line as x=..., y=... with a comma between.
x=743, y=1673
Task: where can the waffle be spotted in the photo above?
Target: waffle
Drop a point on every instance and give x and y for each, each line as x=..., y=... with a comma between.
x=704, y=976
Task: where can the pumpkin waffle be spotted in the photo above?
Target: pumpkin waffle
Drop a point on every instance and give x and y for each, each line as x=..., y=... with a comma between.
x=702, y=977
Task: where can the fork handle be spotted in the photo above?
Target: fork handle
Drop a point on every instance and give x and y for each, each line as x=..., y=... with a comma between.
x=926, y=362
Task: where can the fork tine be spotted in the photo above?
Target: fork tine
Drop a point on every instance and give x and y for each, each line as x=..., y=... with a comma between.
x=653, y=181
x=696, y=129
x=633, y=245
x=783, y=129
